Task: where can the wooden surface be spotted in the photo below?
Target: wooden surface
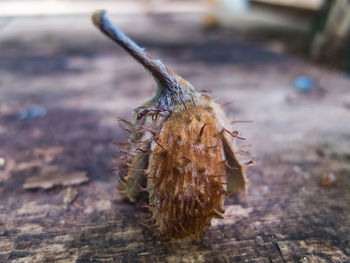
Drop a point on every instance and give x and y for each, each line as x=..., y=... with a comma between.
x=85, y=83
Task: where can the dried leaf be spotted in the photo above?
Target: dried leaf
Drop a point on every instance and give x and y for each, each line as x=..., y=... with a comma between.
x=28, y=165
x=52, y=176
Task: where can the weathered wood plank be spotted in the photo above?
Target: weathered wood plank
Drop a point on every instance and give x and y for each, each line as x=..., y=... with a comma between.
x=84, y=82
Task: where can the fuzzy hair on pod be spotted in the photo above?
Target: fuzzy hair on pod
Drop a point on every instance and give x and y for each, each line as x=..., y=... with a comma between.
x=181, y=150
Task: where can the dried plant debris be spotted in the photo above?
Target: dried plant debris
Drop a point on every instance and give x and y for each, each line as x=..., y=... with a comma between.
x=6, y=168
x=51, y=176
x=181, y=149
x=42, y=157
x=29, y=164
x=69, y=196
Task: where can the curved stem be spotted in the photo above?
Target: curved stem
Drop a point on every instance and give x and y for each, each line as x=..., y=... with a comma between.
x=161, y=74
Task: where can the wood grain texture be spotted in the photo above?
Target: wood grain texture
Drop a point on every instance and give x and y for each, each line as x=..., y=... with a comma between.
x=85, y=83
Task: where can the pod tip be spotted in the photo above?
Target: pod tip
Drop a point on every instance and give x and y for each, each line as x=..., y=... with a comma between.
x=97, y=16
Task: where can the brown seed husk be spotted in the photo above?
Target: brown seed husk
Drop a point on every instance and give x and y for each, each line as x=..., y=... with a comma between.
x=180, y=144
x=185, y=191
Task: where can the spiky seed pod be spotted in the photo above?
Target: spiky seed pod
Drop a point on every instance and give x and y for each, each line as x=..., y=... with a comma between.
x=180, y=149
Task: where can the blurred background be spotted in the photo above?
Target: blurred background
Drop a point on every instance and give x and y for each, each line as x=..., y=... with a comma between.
x=316, y=29
x=284, y=64
x=52, y=59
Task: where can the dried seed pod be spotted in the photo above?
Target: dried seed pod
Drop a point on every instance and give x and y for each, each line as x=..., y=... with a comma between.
x=181, y=149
